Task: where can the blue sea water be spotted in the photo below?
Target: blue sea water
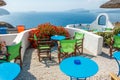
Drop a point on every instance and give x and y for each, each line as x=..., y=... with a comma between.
x=33, y=19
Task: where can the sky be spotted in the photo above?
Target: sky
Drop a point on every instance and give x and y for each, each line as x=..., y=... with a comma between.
x=51, y=5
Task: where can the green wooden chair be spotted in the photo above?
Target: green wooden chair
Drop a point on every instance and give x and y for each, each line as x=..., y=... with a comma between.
x=114, y=44
x=43, y=46
x=13, y=53
x=79, y=37
x=66, y=48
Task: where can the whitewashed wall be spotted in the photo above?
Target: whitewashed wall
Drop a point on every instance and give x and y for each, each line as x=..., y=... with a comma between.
x=23, y=36
x=92, y=42
x=95, y=25
x=8, y=38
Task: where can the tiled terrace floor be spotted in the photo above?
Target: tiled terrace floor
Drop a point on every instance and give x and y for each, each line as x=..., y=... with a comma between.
x=49, y=70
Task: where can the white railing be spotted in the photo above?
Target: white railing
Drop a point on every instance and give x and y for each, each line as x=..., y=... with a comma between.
x=92, y=42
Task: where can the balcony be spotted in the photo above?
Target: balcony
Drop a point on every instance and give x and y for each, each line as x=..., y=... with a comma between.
x=49, y=70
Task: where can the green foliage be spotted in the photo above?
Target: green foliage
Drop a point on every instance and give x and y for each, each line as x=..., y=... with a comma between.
x=106, y=37
x=116, y=30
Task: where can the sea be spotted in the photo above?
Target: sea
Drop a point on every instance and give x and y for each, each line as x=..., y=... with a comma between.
x=33, y=19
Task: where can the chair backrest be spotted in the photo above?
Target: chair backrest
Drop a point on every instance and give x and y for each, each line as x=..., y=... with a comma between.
x=78, y=35
x=35, y=37
x=68, y=44
x=114, y=77
x=116, y=39
x=45, y=41
x=20, y=28
x=14, y=51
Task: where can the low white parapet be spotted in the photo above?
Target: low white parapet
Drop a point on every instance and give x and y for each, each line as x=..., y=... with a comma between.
x=92, y=42
x=8, y=38
x=23, y=36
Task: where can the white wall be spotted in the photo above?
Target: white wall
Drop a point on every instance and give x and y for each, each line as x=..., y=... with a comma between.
x=23, y=36
x=92, y=42
x=8, y=38
x=95, y=25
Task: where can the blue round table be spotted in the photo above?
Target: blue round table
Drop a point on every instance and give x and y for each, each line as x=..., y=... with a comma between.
x=57, y=37
x=9, y=71
x=116, y=55
x=84, y=69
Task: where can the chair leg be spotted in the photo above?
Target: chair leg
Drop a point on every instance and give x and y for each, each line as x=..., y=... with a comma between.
x=15, y=60
x=110, y=51
x=74, y=54
x=78, y=50
x=49, y=55
x=82, y=50
x=59, y=57
x=39, y=56
x=21, y=63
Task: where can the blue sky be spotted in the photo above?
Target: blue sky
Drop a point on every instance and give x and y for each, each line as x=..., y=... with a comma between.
x=51, y=5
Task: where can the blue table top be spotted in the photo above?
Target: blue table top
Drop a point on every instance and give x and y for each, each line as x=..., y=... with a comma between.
x=9, y=71
x=86, y=68
x=57, y=37
x=116, y=55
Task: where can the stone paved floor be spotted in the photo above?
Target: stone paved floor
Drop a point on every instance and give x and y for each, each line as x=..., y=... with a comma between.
x=49, y=70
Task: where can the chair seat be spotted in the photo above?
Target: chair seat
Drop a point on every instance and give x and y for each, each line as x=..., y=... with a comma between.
x=1, y=61
x=3, y=58
x=67, y=50
x=44, y=47
x=116, y=45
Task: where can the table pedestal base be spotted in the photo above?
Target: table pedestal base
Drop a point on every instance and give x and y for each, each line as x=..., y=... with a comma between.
x=72, y=78
x=118, y=66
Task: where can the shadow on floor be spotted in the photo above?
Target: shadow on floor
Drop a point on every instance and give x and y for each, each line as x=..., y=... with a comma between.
x=26, y=66
x=48, y=62
x=103, y=54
